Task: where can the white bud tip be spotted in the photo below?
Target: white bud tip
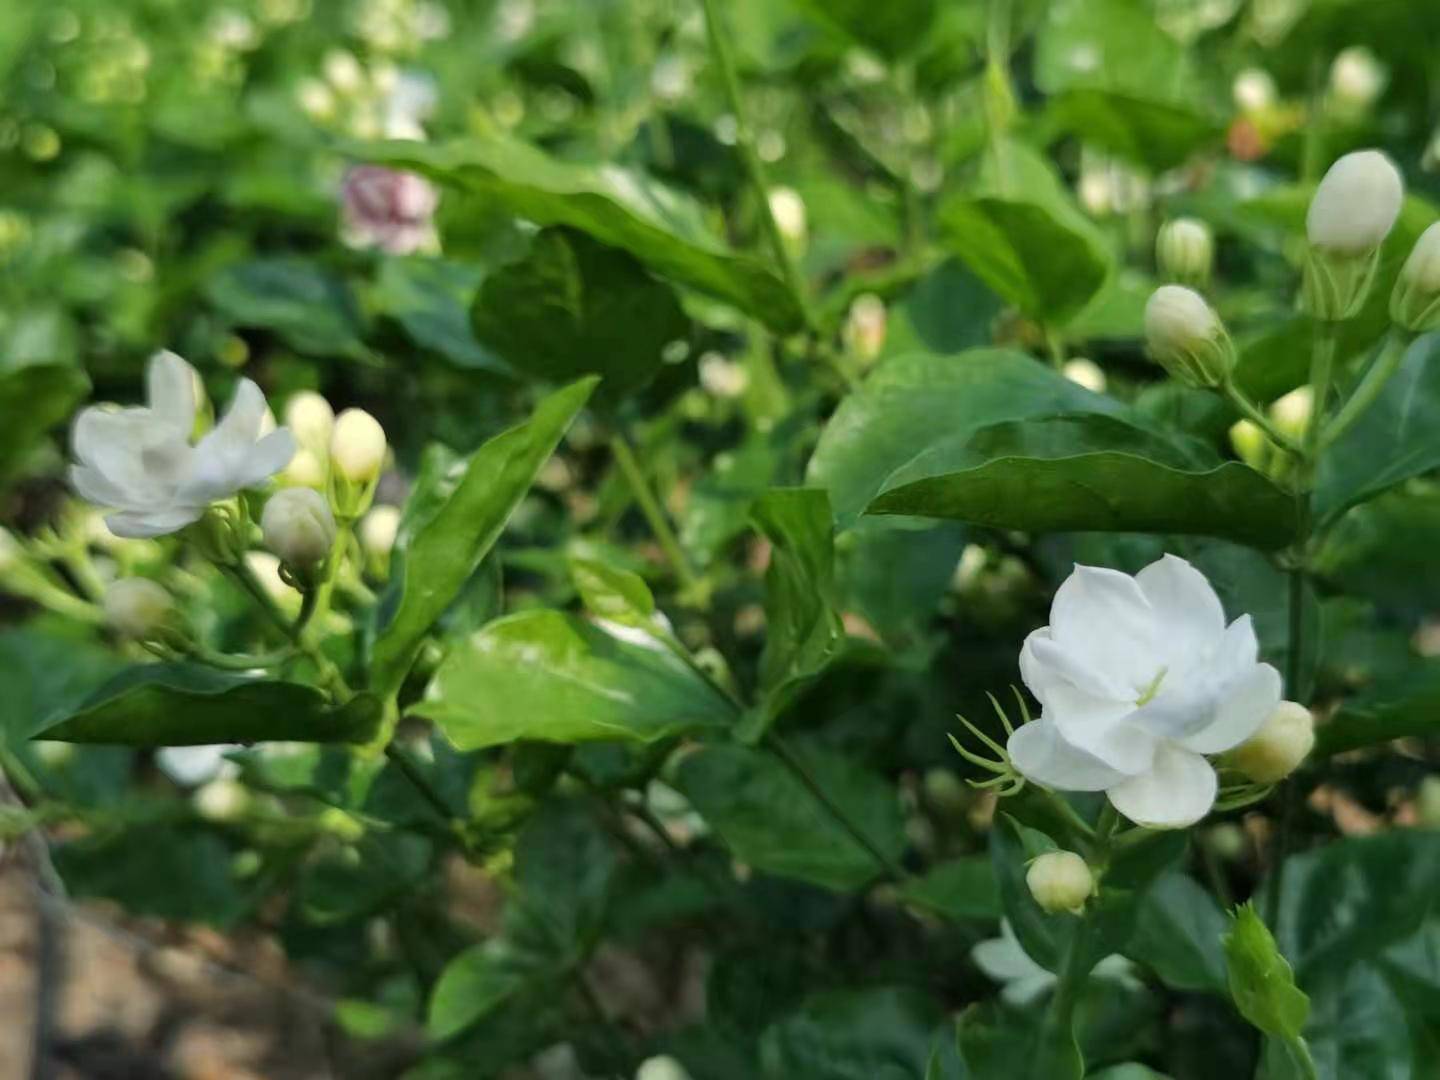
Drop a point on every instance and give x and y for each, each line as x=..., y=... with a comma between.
x=357, y=446
x=378, y=530
x=298, y=526
x=661, y=1068
x=1178, y=321
x=1060, y=881
x=137, y=607
x=1356, y=204
x=311, y=418
x=1422, y=268
x=1284, y=740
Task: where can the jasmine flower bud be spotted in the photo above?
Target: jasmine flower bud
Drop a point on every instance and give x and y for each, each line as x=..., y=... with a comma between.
x=311, y=419
x=1356, y=80
x=1253, y=90
x=1291, y=412
x=1284, y=740
x=1184, y=250
x=1415, y=303
x=1085, y=373
x=137, y=608
x=357, y=446
x=298, y=526
x=1353, y=210
x=1187, y=338
x=1060, y=881
x=305, y=470
x=221, y=800
x=378, y=530
x=865, y=325
x=788, y=210
x=661, y=1068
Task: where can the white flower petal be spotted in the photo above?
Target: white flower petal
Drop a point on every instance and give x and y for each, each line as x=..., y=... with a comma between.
x=268, y=456
x=170, y=387
x=1102, y=727
x=1023, y=992
x=1240, y=712
x=1102, y=618
x=1178, y=791
x=241, y=424
x=147, y=524
x=1040, y=753
x=1186, y=610
x=1044, y=661
x=94, y=486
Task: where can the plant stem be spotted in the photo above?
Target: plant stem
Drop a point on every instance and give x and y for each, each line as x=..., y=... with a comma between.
x=781, y=749
x=1384, y=366
x=1256, y=416
x=1322, y=373
x=754, y=168
x=653, y=511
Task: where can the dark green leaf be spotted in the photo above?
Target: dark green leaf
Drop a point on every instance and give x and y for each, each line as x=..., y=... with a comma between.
x=623, y=209
x=913, y=402
x=770, y=820
x=549, y=676
x=803, y=627
x=311, y=310
x=962, y=888
x=185, y=704
x=35, y=395
x=445, y=535
x=575, y=307
x=879, y=1034
x=45, y=676
x=1178, y=931
x=1087, y=473
x=476, y=982
x=1151, y=134
x=352, y=882
x=892, y=30
x=430, y=299
x=1404, y=705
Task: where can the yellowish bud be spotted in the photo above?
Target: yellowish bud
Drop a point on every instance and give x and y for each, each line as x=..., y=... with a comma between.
x=1278, y=748
x=137, y=607
x=1060, y=881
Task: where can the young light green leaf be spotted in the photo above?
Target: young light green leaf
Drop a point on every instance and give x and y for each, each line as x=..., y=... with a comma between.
x=1261, y=982
x=549, y=676
x=625, y=209
x=612, y=593
x=185, y=704
x=443, y=539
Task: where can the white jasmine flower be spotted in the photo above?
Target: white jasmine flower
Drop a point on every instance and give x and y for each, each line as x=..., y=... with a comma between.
x=1356, y=204
x=1138, y=679
x=1005, y=960
x=140, y=462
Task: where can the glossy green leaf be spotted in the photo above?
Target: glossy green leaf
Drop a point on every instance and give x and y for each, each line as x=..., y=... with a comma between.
x=877, y=1034
x=1151, y=134
x=1404, y=705
x=769, y=819
x=310, y=309
x=892, y=30
x=1087, y=473
x=46, y=676
x=575, y=307
x=915, y=401
x=616, y=206
x=612, y=593
x=475, y=983
x=549, y=676
x=183, y=704
x=803, y=631
x=445, y=535
x=1178, y=932
x=1111, y=44
x=1261, y=982
x=431, y=299
x=1392, y=441
x=1358, y=1028
x=960, y=888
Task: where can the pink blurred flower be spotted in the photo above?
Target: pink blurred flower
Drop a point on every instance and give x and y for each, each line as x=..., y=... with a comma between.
x=388, y=209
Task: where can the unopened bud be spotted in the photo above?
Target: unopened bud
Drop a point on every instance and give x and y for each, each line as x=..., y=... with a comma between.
x=723, y=378
x=1085, y=373
x=864, y=331
x=305, y=470
x=311, y=419
x=298, y=526
x=1060, y=881
x=1277, y=749
x=221, y=800
x=1253, y=90
x=788, y=210
x=1353, y=210
x=357, y=446
x=1187, y=338
x=1291, y=413
x=1185, y=251
x=1415, y=303
x=1249, y=442
x=137, y=607
x=1427, y=802
x=661, y=1068
x=344, y=71
x=1356, y=79
x=378, y=530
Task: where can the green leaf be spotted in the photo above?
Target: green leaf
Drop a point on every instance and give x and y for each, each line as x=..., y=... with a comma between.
x=352, y=882
x=431, y=299
x=893, y=30
x=875, y=1034
x=1344, y=903
x=565, y=867
x=616, y=206
x=310, y=309
x=445, y=535
x=1262, y=984
x=40, y=386
x=1087, y=473
x=45, y=676
x=184, y=704
x=915, y=401
x=1111, y=44
x=1153, y=135
x=1178, y=931
x=1358, y=1028
x=1022, y=234
x=549, y=676
x=160, y=870
x=612, y=593
x=475, y=983
x=770, y=820
x=960, y=888
x=574, y=307
x=804, y=633
x=1393, y=708
x=1392, y=441
x=896, y=571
